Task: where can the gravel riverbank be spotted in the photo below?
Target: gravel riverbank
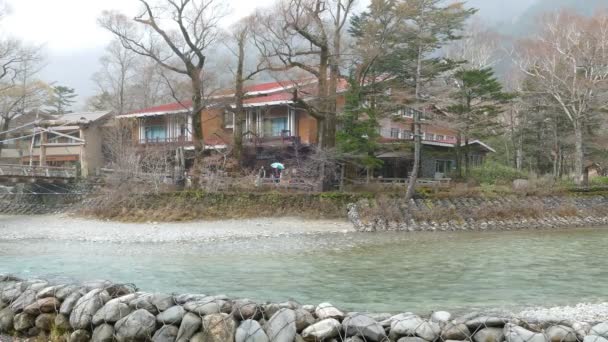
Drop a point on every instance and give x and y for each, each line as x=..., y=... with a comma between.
x=67, y=228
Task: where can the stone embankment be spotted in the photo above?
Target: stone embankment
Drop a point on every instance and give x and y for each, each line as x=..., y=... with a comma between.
x=479, y=214
x=103, y=311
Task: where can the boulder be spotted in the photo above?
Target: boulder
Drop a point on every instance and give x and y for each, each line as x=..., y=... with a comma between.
x=62, y=322
x=218, y=327
x=185, y=298
x=581, y=329
x=363, y=326
x=414, y=326
x=208, y=306
x=387, y=323
x=514, y=333
x=45, y=322
x=281, y=327
x=69, y=303
x=595, y=338
x=303, y=319
x=162, y=302
x=43, y=305
x=250, y=331
x=455, y=331
x=561, y=333
x=82, y=314
x=96, y=284
x=119, y=290
x=411, y=339
x=23, y=321
x=63, y=292
x=309, y=308
x=441, y=317
x=599, y=330
x=111, y=313
x=322, y=330
x=243, y=309
x=143, y=302
x=198, y=337
x=168, y=333
x=173, y=315
x=10, y=293
x=6, y=319
x=49, y=291
x=138, y=325
x=489, y=335
x=271, y=309
x=80, y=336
x=326, y=310
x=485, y=322
x=103, y=333
x=26, y=298
x=191, y=323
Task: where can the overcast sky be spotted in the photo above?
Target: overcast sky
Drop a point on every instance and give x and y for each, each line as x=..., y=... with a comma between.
x=74, y=42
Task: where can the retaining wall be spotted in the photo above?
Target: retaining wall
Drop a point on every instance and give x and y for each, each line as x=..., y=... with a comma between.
x=103, y=311
x=509, y=213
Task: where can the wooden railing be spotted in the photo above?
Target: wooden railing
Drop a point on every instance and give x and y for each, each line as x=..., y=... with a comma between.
x=159, y=141
x=37, y=171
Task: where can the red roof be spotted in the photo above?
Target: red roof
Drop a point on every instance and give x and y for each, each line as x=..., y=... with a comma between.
x=269, y=92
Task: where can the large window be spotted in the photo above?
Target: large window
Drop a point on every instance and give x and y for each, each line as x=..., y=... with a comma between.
x=156, y=132
x=429, y=136
x=274, y=127
x=395, y=133
x=407, y=135
x=443, y=166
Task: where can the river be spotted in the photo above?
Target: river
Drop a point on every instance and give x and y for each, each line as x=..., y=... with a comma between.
x=312, y=262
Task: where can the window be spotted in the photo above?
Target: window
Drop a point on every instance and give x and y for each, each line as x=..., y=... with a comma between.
x=439, y=138
x=443, y=166
x=475, y=160
x=429, y=136
x=409, y=112
x=395, y=133
x=155, y=132
x=228, y=119
x=407, y=135
x=274, y=127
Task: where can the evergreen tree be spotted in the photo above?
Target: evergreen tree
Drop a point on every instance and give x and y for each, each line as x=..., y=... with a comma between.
x=477, y=102
x=61, y=99
x=358, y=136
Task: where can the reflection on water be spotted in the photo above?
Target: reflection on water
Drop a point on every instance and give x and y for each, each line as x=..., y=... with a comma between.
x=380, y=272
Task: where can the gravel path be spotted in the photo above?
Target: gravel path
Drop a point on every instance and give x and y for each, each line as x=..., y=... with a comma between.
x=62, y=227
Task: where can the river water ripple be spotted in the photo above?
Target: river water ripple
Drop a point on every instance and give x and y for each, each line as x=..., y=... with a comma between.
x=376, y=272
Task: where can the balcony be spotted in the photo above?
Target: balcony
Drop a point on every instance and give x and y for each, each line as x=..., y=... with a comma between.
x=159, y=141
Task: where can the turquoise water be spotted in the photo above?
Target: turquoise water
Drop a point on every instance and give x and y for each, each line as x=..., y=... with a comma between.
x=380, y=272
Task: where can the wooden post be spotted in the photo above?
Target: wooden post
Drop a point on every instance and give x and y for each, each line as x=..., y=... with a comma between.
x=84, y=165
x=43, y=141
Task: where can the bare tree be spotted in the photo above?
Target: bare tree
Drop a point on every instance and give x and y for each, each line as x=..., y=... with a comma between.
x=568, y=62
x=307, y=35
x=182, y=51
x=118, y=68
x=479, y=47
x=19, y=91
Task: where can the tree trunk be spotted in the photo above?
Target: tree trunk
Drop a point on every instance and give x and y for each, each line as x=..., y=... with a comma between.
x=578, y=153
x=411, y=186
x=197, y=107
x=459, y=154
x=467, y=153
x=239, y=115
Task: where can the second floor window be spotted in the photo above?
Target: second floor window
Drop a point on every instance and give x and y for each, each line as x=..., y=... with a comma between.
x=429, y=136
x=395, y=133
x=156, y=132
x=406, y=135
x=440, y=138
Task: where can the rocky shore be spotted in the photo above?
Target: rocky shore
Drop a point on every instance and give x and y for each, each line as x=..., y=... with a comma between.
x=479, y=214
x=104, y=311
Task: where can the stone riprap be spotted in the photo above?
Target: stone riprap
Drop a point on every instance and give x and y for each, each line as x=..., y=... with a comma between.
x=479, y=214
x=103, y=311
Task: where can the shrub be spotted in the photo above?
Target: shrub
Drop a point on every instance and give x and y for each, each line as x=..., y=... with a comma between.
x=495, y=173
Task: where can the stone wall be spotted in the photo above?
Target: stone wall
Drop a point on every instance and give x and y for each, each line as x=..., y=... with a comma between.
x=461, y=214
x=103, y=311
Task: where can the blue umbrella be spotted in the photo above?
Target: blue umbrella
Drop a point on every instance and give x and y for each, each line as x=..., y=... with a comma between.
x=277, y=166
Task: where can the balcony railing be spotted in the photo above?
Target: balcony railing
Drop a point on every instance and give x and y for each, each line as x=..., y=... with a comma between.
x=166, y=141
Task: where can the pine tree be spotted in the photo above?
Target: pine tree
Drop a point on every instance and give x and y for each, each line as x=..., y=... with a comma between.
x=61, y=99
